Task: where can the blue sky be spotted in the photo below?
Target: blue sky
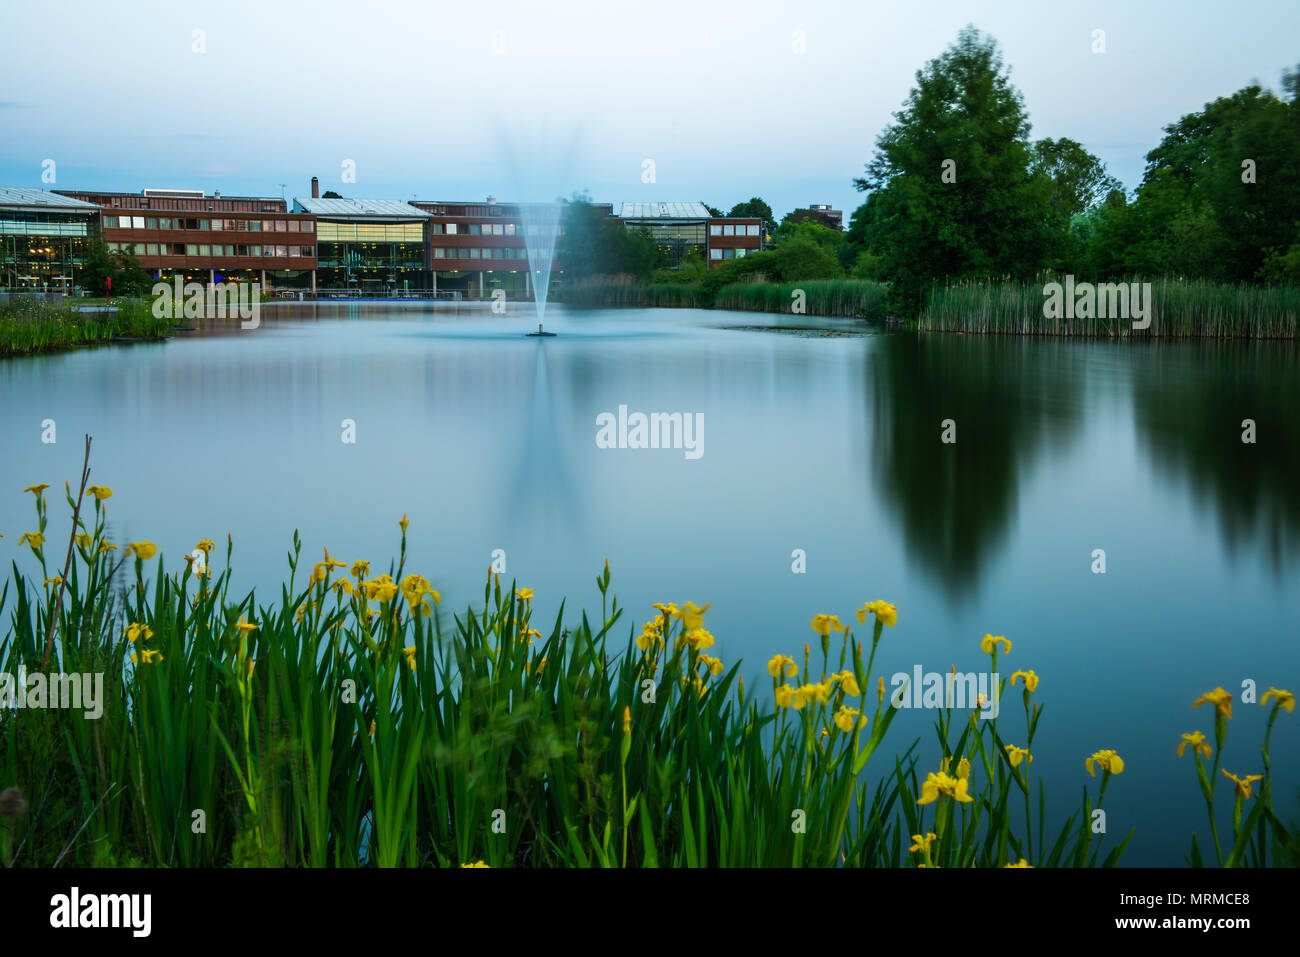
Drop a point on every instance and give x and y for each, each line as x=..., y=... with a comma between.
x=532, y=100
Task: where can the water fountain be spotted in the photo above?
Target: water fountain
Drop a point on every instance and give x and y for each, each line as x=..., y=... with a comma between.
x=541, y=225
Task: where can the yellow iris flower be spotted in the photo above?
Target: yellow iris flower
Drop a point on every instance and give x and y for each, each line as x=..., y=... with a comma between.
x=1107, y=760
x=1198, y=743
x=1222, y=701
x=1285, y=699
x=988, y=642
x=945, y=785
x=1243, y=784
x=822, y=624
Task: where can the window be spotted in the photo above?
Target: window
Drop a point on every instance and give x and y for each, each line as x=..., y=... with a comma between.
x=715, y=229
x=281, y=226
x=205, y=250
x=164, y=224
x=439, y=252
x=740, y=253
x=498, y=229
x=308, y=226
x=254, y=225
x=436, y=229
x=473, y=229
x=309, y=251
x=137, y=222
x=191, y=249
x=451, y=229
x=241, y=250
x=205, y=224
x=113, y=247
x=110, y=222
x=255, y=250
x=751, y=230
x=728, y=230
x=510, y=229
x=715, y=253
x=218, y=224
x=295, y=251
x=473, y=252
x=728, y=254
x=281, y=250
x=151, y=249
x=293, y=225
x=151, y=222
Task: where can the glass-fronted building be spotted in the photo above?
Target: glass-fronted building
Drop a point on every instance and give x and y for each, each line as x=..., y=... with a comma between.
x=684, y=229
x=377, y=246
x=45, y=239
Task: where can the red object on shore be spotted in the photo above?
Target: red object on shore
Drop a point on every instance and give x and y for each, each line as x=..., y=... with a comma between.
x=109, y=291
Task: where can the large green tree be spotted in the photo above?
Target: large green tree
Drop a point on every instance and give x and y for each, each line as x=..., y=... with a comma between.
x=952, y=188
x=1220, y=197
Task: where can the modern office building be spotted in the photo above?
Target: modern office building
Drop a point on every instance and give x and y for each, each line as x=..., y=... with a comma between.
x=376, y=246
x=214, y=238
x=681, y=230
x=44, y=239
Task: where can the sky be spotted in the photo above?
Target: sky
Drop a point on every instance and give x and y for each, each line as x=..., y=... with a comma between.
x=708, y=100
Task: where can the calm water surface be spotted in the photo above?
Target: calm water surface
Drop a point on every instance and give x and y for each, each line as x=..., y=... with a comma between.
x=826, y=443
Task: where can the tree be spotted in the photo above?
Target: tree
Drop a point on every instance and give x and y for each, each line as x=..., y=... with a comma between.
x=1079, y=179
x=952, y=191
x=330, y=194
x=594, y=244
x=713, y=210
x=129, y=277
x=1220, y=197
x=755, y=208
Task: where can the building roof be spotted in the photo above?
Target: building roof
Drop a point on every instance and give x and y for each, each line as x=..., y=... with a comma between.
x=359, y=208
x=663, y=211
x=19, y=196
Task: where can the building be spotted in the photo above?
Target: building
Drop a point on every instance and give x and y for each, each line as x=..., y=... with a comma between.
x=206, y=239
x=686, y=230
x=820, y=213
x=376, y=246
x=45, y=239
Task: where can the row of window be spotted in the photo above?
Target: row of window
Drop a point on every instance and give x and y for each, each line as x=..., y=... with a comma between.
x=493, y=229
x=231, y=225
x=475, y=252
x=204, y=249
x=726, y=253
x=731, y=229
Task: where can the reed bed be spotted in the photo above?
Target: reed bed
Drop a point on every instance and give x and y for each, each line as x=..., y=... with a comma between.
x=1181, y=309
x=853, y=298
x=627, y=292
x=29, y=326
x=346, y=721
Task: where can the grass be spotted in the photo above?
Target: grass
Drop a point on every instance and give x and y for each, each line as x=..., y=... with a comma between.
x=1182, y=309
x=854, y=298
x=347, y=721
x=32, y=326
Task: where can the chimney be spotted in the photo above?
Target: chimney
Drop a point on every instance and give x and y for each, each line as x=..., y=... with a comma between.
x=315, y=188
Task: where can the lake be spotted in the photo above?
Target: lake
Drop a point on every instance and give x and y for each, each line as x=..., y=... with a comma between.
x=817, y=435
